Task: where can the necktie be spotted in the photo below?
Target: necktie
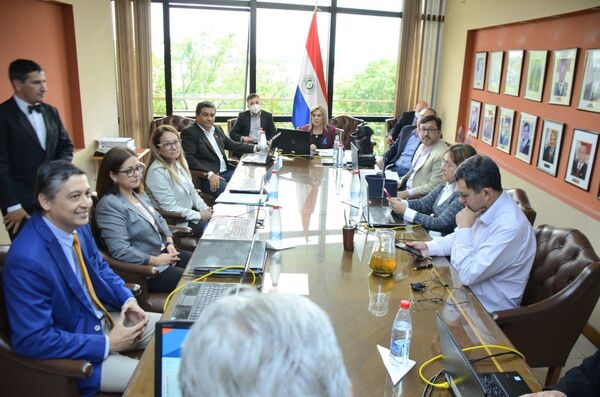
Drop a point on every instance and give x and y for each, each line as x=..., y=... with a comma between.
x=88, y=281
x=37, y=107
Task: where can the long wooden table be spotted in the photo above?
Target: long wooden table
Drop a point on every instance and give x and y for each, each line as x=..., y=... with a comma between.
x=341, y=284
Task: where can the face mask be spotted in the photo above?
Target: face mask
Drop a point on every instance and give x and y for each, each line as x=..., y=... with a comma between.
x=255, y=108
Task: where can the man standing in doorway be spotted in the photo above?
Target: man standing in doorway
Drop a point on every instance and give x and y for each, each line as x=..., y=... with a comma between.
x=31, y=133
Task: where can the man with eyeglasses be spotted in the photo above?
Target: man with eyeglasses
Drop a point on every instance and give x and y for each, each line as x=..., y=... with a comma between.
x=399, y=156
x=425, y=173
x=204, y=144
x=31, y=133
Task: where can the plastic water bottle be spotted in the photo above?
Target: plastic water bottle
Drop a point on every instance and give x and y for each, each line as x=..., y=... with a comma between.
x=355, y=197
x=262, y=140
x=275, y=234
x=340, y=153
x=336, y=151
x=401, y=334
x=273, y=197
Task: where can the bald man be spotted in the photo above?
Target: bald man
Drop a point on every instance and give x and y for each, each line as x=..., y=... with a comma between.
x=407, y=118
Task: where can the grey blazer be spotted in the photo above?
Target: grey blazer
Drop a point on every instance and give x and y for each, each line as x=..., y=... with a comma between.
x=435, y=216
x=168, y=195
x=126, y=232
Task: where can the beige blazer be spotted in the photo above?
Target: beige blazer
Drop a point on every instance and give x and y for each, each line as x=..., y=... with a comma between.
x=429, y=173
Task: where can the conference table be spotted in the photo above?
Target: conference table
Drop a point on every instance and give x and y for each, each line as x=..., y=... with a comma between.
x=361, y=306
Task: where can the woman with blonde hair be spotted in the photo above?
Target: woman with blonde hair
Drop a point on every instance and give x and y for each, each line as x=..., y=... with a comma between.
x=322, y=134
x=169, y=182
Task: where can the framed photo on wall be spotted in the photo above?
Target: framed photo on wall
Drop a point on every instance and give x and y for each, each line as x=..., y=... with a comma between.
x=536, y=70
x=581, y=158
x=514, y=65
x=589, y=97
x=479, y=73
x=505, y=127
x=495, y=73
x=526, y=137
x=563, y=70
x=474, y=118
x=489, y=121
x=550, y=142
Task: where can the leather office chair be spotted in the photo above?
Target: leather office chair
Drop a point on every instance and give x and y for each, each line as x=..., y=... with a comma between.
x=389, y=124
x=522, y=201
x=32, y=377
x=180, y=122
x=562, y=290
x=230, y=124
x=347, y=124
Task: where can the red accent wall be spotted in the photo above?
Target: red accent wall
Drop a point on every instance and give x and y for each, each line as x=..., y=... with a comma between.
x=577, y=30
x=44, y=32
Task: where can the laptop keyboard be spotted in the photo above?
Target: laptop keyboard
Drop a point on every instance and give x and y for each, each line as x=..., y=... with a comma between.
x=491, y=386
x=238, y=228
x=199, y=296
x=380, y=216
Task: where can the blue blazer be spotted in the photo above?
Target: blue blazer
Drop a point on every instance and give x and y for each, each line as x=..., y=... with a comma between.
x=49, y=314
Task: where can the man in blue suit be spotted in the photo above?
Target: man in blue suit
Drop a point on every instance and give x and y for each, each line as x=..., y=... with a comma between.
x=63, y=300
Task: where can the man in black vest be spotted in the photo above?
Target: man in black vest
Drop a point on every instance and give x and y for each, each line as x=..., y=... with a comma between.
x=31, y=133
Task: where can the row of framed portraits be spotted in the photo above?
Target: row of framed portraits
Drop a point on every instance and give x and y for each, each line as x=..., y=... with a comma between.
x=581, y=154
x=562, y=74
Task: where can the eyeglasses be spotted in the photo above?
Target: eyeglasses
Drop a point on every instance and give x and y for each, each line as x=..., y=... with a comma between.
x=131, y=171
x=428, y=130
x=447, y=164
x=169, y=145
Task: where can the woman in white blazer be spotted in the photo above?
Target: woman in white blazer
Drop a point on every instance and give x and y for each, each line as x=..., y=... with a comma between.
x=169, y=182
x=132, y=230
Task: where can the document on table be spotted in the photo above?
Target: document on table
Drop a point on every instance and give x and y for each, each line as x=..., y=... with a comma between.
x=396, y=372
x=240, y=198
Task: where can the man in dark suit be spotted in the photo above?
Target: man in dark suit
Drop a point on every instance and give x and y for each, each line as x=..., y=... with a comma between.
x=251, y=121
x=401, y=152
x=204, y=144
x=550, y=149
x=579, y=167
x=31, y=133
x=407, y=118
x=62, y=298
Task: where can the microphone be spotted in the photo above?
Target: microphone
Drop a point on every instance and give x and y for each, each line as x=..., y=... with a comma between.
x=383, y=178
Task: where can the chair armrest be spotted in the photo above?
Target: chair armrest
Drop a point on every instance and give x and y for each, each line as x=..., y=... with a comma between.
x=171, y=217
x=180, y=231
x=198, y=174
x=59, y=366
x=135, y=289
x=145, y=271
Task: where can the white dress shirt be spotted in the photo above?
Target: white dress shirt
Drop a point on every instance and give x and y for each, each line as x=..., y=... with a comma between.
x=210, y=135
x=35, y=118
x=494, y=256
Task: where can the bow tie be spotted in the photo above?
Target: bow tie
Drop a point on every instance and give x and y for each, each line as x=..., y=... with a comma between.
x=37, y=107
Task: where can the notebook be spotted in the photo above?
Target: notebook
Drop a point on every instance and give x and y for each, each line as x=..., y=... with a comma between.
x=169, y=337
x=379, y=216
x=293, y=142
x=464, y=381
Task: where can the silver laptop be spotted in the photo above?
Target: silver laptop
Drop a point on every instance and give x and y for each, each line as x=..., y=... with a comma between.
x=464, y=381
x=247, y=179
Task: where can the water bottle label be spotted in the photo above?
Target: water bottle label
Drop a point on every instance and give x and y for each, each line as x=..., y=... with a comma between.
x=276, y=235
x=400, y=348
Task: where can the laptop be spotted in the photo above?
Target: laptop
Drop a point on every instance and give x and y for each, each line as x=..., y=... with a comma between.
x=292, y=142
x=247, y=179
x=464, y=381
x=260, y=158
x=378, y=216
x=169, y=337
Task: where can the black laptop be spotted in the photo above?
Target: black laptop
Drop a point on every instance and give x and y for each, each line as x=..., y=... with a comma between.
x=379, y=216
x=464, y=381
x=292, y=142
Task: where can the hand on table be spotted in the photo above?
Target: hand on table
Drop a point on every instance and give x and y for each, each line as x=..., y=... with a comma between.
x=421, y=246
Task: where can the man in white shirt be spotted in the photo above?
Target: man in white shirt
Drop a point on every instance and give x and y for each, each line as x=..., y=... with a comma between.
x=493, y=247
x=204, y=144
x=31, y=133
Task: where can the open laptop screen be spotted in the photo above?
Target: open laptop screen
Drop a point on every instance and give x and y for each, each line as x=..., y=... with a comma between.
x=169, y=340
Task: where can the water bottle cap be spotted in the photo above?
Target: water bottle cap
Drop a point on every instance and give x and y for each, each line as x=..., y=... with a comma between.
x=273, y=171
x=404, y=304
x=276, y=207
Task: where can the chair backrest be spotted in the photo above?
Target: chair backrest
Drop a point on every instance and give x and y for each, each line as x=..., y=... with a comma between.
x=389, y=124
x=4, y=326
x=230, y=124
x=522, y=201
x=347, y=124
x=179, y=122
x=561, y=256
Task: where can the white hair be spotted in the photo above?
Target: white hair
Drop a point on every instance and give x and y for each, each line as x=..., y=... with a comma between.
x=260, y=345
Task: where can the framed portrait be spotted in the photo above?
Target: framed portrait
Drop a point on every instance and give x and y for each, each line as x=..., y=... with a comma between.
x=536, y=69
x=549, y=152
x=479, y=72
x=563, y=70
x=526, y=137
x=505, y=127
x=514, y=65
x=581, y=158
x=495, y=73
x=589, y=97
x=474, y=118
x=489, y=120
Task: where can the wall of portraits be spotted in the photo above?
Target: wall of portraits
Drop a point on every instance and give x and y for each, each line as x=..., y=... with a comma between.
x=530, y=99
